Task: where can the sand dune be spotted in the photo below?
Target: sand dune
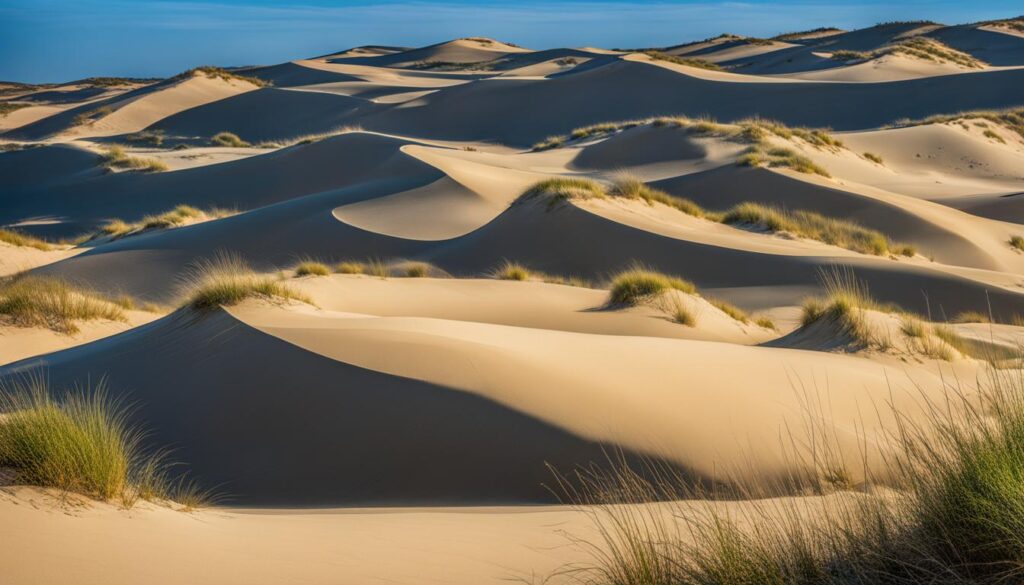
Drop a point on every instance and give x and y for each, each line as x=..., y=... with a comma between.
x=472, y=339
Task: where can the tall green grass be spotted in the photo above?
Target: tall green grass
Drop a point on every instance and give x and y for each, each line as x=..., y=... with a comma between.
x=955, y=515
x=82, y=442
x=53, y=303
x=226, y=279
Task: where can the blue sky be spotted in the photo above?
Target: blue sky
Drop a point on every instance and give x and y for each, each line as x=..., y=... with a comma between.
x=56, y=40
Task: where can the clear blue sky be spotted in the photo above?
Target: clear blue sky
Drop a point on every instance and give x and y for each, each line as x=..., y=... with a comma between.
x=56, y=40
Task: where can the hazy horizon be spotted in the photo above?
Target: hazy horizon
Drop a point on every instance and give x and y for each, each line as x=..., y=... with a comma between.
x=61, y=40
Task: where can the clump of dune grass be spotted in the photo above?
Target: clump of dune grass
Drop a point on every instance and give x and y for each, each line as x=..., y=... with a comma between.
x=930, y=49
x=637, y=285
x=178, y=216
x=836, y=232
x=53, y=303
x=689, y=62
x=150, y=137
x=373, y=267
x=675, y=310
x=1010, y=118
x=82, y=442
x=16, y=238
x=970, y=317
x=114, y=157
x=1017, y=242
x=549, y=143
x=729, y=309
x=991, y=134
x=873, y=158
x=417, y=270
x=509, y=270
x=213, y=72
x=229, y=139
x=845, y=300
x=629, y=187
x=765, y=322
x=781, y=157
x=311, y=268
x=844, y=55
x=560, y=189
x=226, y=280
x=953, y=513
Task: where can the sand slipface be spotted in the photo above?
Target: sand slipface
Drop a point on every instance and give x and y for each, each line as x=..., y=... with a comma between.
x=434, y=296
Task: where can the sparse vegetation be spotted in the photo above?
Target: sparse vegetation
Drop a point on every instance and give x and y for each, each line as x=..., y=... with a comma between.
x=1017, y=243
x=844, y=55
x=16, y=238
x=8, y=107
x=91, y=116
x=53, y=303
x=115, y=158
x=311, y=268
x=179, y=216
x=699, y=63
x=511, y=271
x=629, y=187
x=970, y=317
x=150, y=137
x=781, y=157
x=226, y=280
x=417, y=270
x=836, y=232
x=729, y=309
x=83, y=443
x=374, y=267
x=993, y=135
x=765, y=322
x=795, y=36
x=228, y=139
x=222, y=74
x=1011, y=119
x=873, y=158
x=638, y=285
x=560, y=189
x=953, y=515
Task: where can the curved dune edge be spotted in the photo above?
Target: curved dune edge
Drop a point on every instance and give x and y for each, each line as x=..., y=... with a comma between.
x=689, y=401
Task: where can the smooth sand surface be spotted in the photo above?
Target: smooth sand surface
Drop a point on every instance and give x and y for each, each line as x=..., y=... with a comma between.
x=400, y=429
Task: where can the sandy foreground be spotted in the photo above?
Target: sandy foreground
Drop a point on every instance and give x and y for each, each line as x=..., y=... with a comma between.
x=400, y=428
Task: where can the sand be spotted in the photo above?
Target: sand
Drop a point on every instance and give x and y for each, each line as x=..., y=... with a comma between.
x=399, y=429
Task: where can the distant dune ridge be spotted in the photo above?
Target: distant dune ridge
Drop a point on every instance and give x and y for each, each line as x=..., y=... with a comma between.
x=417, y=288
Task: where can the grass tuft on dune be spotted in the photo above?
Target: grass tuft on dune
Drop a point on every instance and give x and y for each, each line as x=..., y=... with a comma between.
x=311, y=268
x=226, y=280
x=53, y=303
x=637, y=285
x=82, y=443
x=228, y=139
x=176, y=217
x=954, y=515
x=559, y=189
x=698, y=63
x=16, y=238
x=116, y=158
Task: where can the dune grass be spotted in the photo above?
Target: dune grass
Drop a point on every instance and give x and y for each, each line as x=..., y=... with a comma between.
x=807, y=224
x=226, y=279
x=53, y=303
x=311, y=268
x=873, y=158
x=417, y=270
x=1017, y=242
x=637, y=285
x=689, y=62
x=8, y=107
x=372, y=267
x=178, y=216
x=765, y=322
x=228, y=139
x=992, y=135
x=629, y=187
x=82, y=442
x=114, y=157
x=930, y=49
x=150, y=137
x=970, y=317
x=801, y=223
x=560, y=189
x=509, y=270
x=213, y=72
x=729, y=309
x=955, y=515
x=844, y=55
x=16, y=238
x=777, y=157
x=1010, y=118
